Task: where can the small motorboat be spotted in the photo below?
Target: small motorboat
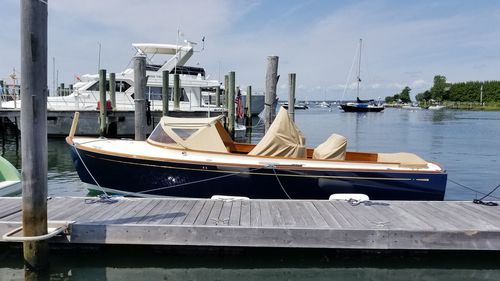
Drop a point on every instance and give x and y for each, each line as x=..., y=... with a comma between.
x=299, y=106
x=324, y=104
x=195, y=157
x=436, y=107
x=10, y=180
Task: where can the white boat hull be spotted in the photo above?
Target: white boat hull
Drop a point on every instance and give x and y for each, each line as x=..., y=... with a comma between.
x=10, y=188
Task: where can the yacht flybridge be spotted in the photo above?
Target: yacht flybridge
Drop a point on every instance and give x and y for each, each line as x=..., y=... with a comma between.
x=193, y=82
x=195, y=157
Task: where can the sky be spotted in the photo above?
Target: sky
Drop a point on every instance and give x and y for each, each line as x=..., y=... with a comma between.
x=405, y=43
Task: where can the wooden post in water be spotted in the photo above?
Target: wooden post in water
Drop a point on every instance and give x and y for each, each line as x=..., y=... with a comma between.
x=102, y=102
x=34, y=94
x=226, y=91
x=140, y=97
x=291, y=95
x=248, y=106
x=112, y=90
x=230, y=108
x=217, y=96
x=164, y=92
x=2, y=91
x=270, y=96
x=177, y=92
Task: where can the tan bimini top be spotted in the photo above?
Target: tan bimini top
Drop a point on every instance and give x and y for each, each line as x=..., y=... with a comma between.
x=203, y=134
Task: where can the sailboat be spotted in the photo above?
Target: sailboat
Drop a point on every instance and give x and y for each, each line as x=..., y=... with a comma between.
x=361, y=105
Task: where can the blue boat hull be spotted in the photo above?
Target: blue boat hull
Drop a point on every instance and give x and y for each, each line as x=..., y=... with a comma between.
x=361, y=108
x=151, y=177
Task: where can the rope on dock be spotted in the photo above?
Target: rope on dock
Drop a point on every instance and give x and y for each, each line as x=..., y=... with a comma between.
x=485, y=195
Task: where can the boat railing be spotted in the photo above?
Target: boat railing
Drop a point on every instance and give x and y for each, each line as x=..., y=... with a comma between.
x=10, y=93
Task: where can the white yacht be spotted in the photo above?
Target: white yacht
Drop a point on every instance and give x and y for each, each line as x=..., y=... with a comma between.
x=195, y=100
x=85, y=93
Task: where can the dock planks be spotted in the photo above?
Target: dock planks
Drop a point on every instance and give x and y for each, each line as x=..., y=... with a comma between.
x=449, y=225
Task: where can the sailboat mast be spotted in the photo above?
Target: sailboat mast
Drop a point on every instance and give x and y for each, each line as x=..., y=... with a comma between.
x=359, y=66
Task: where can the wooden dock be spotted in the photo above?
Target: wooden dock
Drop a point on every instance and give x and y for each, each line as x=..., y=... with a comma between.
x=383, y=225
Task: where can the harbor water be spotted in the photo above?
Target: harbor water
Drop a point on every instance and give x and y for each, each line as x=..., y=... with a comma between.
x=464, y=142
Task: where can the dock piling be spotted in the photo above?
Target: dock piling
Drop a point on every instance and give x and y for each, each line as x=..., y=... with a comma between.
x=177, y=92
x=102, y=102
x=112, y=90
x=140, y=97
x=226, y=91
x=248, y=106
x=291, y=95
x=34, y=131
x=2, y=91
x=270, y=96
x=217, y=96
x=230, y=108
x=164, y=92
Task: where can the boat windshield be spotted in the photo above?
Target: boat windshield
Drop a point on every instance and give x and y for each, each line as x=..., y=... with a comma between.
x=205, y=134
x=160, y=136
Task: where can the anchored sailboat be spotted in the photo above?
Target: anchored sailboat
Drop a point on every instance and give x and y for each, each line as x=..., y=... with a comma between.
x=361, y=105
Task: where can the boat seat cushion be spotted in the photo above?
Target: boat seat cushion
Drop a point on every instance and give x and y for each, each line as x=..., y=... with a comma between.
x=405, y=159
x=334, y=148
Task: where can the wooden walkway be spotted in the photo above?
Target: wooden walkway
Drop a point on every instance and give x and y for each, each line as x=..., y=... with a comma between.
x=447, y=225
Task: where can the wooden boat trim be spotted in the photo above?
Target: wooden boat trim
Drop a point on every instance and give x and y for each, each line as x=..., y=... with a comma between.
x=353, y=154
x=258, y=174
x=295, y=167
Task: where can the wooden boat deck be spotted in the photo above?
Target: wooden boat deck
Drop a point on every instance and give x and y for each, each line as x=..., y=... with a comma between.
x=449, y=225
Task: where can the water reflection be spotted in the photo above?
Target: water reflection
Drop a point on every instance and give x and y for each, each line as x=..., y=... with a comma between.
x=259, y=265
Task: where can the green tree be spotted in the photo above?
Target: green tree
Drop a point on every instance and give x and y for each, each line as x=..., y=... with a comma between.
x=425, y=96
x=389, y=99
x=438, y=89
x=405, y=95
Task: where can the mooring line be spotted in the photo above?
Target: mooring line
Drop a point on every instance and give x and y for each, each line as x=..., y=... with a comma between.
x=485, y=195
x=106, y=198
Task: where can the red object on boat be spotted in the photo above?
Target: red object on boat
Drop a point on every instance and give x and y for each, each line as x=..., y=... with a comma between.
x=108, y=105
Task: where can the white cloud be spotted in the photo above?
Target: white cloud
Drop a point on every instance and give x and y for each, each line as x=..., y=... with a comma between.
x=402, y=45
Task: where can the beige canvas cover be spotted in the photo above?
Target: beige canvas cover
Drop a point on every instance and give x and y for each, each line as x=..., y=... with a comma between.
x=283, y=139
x=404, y=159
x=334, y=148
x=190, y=133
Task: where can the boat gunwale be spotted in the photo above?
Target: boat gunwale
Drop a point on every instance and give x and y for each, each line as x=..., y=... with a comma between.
x=69, y=140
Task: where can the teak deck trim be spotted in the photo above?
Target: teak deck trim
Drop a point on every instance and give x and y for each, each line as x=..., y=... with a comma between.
x=383, y=225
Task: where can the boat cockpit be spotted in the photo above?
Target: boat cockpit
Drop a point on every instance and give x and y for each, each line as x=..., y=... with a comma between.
x=283, y=140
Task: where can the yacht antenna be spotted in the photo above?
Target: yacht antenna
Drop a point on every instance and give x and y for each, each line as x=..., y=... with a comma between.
x=177, y=50
x=359, y=66
x=99, y=57
x=53, y=75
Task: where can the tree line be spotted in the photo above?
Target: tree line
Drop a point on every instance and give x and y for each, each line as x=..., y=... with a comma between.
x=458, y=92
